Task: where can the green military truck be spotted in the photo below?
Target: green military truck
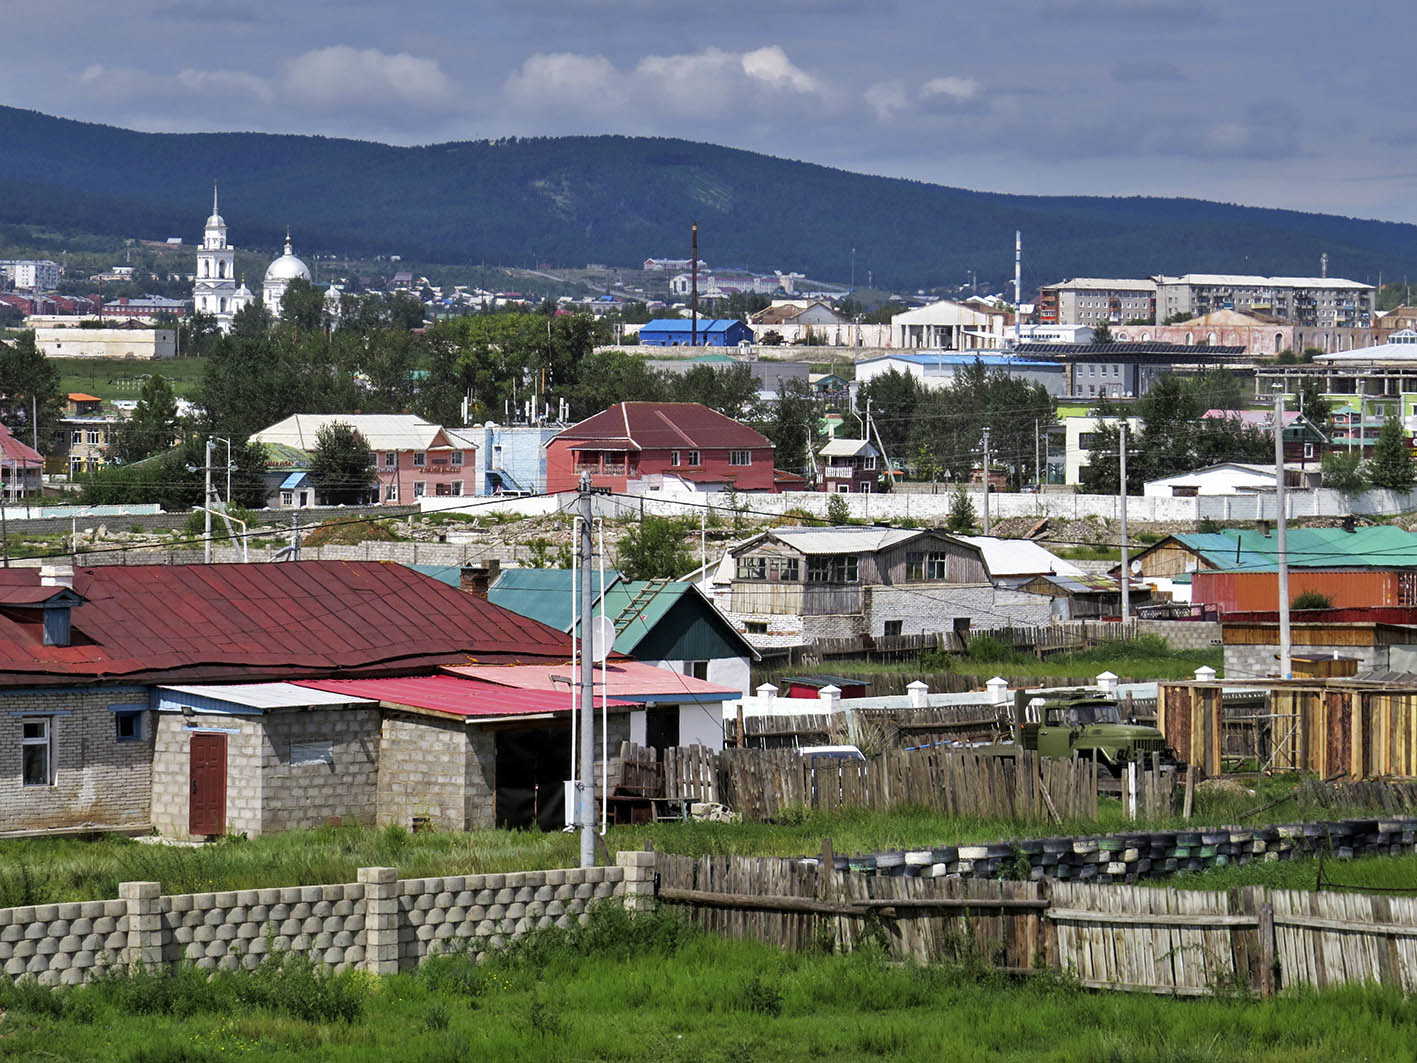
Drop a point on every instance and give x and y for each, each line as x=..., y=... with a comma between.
x=1084, y=723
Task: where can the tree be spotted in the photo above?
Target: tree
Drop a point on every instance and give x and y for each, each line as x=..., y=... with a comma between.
x=1102, y=333
x=342, y=465
x=794, y=425
x=303, y=306
x=961, y=517
x=1391, y=465
x=29, y=386
x=1343, y=472
x=653, y=549
x=252, y=321
x=153, y=424
x=838, y=511
x=892, y=399
x=1313, y=406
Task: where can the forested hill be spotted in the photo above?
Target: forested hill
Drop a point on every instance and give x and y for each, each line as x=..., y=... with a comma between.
x=573, y=200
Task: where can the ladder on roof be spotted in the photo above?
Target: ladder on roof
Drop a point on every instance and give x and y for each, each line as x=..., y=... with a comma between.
x=642, y=598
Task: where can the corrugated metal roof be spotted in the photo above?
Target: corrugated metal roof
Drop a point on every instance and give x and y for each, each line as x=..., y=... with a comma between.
x=380, y=431
x=1379, y=546
x=630, y=680
x=844, y=540
x=292, y=620
x=452, y=695
x=1186, y=352
x=1019, y=557
x=847, y=448
x=544, y=594
x=684, y=324
x=266, y=695
x=664, y=425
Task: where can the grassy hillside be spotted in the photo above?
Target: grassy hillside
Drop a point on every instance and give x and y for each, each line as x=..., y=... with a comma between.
x=570, y=200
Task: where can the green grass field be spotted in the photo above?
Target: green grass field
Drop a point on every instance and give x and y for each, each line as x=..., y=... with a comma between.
x=653, y=989
x=50, y=870
x=121, y=378
x=1396, y=874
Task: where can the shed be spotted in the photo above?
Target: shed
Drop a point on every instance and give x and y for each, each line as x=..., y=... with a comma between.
x=810, y=686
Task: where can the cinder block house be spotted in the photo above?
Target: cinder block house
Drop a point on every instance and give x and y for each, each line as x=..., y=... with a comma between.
x=154, y=695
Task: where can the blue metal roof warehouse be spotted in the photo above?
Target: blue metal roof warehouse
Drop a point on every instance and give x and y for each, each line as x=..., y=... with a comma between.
x=679, y=332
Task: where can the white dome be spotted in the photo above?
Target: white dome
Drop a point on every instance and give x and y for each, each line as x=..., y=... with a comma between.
x=216, y=221
x=287, y=267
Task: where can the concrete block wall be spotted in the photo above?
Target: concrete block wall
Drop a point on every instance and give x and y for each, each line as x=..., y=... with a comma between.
x=63, y=943
x=171, y=771
x=424, y=772
x=309, y=795
x=1248, y=662
x=479, y=792
x=1183, y=634
x=239, y=929
x=98, y=780
x=481, y=912
x=378, y=924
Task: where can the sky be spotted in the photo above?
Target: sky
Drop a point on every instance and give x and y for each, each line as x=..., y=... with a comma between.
x=1261, y=102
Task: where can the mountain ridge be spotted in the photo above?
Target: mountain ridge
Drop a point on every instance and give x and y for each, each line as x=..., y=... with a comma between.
x=518, y=201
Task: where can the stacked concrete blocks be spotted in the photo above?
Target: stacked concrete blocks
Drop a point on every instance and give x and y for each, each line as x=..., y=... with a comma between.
x=63, y=943
x=229, y=930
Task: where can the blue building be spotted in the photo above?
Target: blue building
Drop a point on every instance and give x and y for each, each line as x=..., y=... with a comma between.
x=514, y=457
x=679, y=332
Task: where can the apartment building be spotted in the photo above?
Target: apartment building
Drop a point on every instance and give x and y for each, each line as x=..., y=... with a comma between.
x=1096, y=301
x=1325, y=302
x=31, y=274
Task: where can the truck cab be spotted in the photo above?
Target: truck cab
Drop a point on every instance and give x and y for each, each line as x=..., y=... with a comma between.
x=1087, y=724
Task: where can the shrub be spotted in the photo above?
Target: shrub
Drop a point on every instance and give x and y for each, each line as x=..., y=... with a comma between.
x=1312, y=600
x=838, y=510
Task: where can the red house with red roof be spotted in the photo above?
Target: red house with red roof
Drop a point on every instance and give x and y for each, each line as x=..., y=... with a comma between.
x=661, y=446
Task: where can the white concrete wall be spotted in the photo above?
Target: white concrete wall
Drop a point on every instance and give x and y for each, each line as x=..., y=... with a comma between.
x=145, y=344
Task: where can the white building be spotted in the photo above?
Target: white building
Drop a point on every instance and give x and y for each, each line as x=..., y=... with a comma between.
x=215, y=291
x=939, y=369
x=950, y=326
x=143, y=344
x=1080, y=435
x=279, y=274
x=31, y=274
x=1230, y=478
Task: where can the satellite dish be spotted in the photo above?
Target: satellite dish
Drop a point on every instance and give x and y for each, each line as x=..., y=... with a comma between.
x=1136, y=568
x=602, y=633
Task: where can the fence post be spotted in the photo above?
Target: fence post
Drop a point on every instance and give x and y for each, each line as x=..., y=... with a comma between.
x=638, y=884
x=1267, y=949
x=381, y=919
x=144, y=923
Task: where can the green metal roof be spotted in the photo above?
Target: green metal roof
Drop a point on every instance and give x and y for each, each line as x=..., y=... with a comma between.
x=654, y=619
x=1236, y=550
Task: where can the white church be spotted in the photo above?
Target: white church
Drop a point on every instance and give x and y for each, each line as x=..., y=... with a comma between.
x=216, y=291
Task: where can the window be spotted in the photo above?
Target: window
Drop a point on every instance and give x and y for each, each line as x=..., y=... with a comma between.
x=1308, y=450
x=740, y=457
x=457, y=457
x=752, y=568
x=892, y=628
x=420, y=459
x=784, y=570
x=78, y=436
x=287, y=498
x=843, y=489
x=936, y=565
x=832, y=568
x=697, y=669
x=868, y=463
x=864, y=489
x=319, y=752
x=674, y=457
x=128, y=726
x=390, y=459
x=456, y=486
x=756, y=627
x=391, y=493
x=418, y=487
x=37, y=751
x=693, y=458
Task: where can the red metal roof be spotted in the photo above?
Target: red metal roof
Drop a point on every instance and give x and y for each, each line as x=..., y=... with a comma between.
x=173, y=623
x=633, y=680
x=665, y=425
x=454, y=695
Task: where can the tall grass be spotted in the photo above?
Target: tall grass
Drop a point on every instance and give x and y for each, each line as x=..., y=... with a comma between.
x=651, y=989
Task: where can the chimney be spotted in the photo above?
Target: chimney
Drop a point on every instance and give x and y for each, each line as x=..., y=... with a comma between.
x=1350, y=525
x=1262, y=526
x=478, y=579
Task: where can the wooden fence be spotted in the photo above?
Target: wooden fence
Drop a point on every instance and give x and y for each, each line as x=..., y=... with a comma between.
x=1181, y=942
x=763, y=784
x=1039, y=639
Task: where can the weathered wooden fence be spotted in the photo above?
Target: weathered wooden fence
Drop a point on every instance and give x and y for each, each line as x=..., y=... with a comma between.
x=691, y=774
x=1039, y=639
x=764, y=784
x=1183, y=942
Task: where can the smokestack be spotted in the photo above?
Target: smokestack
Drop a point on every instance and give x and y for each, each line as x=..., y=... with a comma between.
x=694, y=288
x=1018, y=293
x=1323, y=265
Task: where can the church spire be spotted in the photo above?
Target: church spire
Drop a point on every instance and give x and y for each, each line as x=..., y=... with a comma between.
x=214, y=210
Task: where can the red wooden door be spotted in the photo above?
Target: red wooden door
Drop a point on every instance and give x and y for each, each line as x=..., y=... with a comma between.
x=207, y=803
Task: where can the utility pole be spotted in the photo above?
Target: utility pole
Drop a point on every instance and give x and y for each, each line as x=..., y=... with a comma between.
x=694, y=288
x=585, y=804
x=986, y=481
x=1122, y=488
x=207, y=505
x=1286, y=658
x=1037, y=464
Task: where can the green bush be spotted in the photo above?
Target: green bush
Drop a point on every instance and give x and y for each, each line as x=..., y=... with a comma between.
x=1312, y=600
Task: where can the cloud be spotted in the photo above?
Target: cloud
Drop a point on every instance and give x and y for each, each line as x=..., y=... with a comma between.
x=888, y=98
x=955, y=88
x=1137, y=70
x=335, y=77
x=705, y=84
